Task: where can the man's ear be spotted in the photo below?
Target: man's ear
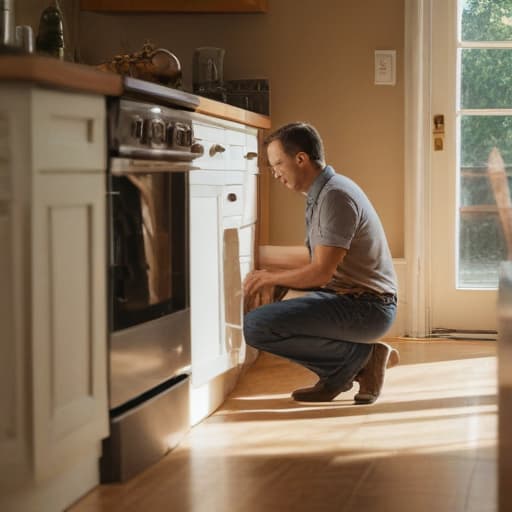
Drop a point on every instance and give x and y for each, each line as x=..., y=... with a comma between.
x=301, y=157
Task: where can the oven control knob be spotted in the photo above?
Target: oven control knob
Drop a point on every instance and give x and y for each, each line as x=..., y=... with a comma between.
x=137, y=131
x=189, y=136
x=182, y=135
x=170, y=134
x=157, y=133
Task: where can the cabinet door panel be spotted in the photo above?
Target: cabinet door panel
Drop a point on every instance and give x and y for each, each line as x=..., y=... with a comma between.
x=13, y=446
x=205, y=293
x=246, y=237
x=233, y=200
x=15, y=457
x=7, y=357
x=69, y=311
x=250, y=199
x=70, y=133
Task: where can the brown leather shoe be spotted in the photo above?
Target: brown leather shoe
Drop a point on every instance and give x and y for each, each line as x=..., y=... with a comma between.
x=371, y=377
x=323, y=391
x=394, y=357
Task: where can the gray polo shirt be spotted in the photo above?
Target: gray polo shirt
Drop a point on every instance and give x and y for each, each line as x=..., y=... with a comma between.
x=339, y=214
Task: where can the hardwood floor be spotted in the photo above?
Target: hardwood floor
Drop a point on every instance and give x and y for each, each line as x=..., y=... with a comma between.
x=427, y=445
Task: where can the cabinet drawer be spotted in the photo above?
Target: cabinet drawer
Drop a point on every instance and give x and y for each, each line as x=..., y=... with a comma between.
x=211, y=177
x=227, y=157
x=213, y=158
x=70, y=133
x=235, y=137
x=236, y=160
x=203, y=133
x=232, y=200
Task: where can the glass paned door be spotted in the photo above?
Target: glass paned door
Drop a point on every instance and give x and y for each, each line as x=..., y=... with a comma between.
x=472, y=89
x=484, y=122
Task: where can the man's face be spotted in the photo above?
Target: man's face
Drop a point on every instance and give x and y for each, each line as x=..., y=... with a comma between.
x=286, y=168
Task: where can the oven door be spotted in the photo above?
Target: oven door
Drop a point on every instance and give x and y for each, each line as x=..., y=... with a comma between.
x=149, y=278
x=149, y=242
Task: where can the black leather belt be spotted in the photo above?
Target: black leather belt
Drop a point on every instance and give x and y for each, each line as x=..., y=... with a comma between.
x=385, y=298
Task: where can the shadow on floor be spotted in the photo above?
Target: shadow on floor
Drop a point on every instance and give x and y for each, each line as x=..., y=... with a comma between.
x=272, y=409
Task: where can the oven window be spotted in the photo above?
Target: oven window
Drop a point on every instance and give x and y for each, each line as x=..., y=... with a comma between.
x=149, y=275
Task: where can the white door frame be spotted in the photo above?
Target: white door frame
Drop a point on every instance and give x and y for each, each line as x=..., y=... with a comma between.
x=418, y=22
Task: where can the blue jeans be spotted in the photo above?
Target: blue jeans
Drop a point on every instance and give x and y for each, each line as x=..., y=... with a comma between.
x=323, y=331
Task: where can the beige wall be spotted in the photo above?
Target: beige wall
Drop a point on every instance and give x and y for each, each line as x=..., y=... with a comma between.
x=318, y=55
x=27, y=12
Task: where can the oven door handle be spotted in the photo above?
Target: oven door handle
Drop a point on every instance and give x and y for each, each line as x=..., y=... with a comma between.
x=120, y=166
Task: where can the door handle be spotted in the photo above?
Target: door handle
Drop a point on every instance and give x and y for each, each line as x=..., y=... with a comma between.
x=250, y=155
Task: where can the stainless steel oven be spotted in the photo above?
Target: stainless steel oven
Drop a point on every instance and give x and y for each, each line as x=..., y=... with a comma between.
x=151, y=153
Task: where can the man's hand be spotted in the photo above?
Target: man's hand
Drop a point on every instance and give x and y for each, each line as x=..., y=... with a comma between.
x=254, y=300
x=315, y=274
x=256, y=280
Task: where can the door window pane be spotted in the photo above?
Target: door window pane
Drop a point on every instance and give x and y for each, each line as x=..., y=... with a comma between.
x=479, y=134
x=486, y=76
x=481, y=237
x=486, y=20
x=481, y=248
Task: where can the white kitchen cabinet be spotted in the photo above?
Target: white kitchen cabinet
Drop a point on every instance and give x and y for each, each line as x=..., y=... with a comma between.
x=223, y=199
x=53, y=395
x=68, y=318
x=215, y=278
x=205, y=282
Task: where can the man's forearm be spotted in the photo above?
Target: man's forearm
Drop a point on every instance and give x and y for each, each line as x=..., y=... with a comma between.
x=272, y=257
x=308, y=276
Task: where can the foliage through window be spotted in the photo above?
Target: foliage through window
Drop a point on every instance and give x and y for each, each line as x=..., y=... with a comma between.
x=485, y=122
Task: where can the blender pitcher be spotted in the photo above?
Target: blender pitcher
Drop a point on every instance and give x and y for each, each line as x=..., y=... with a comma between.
x=208, y=72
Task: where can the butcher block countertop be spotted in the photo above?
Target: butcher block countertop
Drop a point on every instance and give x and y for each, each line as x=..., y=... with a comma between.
x=56, y=74
x=225, y=111
x=53, y=73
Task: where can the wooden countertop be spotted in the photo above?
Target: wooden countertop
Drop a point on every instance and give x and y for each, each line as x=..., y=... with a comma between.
x=225, y=111
x=52, y=72
x=62, y=75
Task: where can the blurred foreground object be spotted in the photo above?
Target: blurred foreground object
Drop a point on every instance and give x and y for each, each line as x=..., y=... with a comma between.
x=50, y=37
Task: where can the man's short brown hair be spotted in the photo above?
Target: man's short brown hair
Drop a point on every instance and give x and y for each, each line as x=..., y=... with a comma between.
x=300, y=137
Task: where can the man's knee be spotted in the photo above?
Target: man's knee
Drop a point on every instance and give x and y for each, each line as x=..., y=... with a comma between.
x=254, y=328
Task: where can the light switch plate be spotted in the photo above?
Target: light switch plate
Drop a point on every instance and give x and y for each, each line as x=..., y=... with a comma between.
x=385, y=67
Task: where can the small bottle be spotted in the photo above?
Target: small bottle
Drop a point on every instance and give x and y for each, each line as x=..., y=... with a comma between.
x=50, y=38
x=7, y=37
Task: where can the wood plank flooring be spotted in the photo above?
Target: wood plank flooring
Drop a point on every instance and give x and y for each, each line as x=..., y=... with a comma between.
x=427, y=445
